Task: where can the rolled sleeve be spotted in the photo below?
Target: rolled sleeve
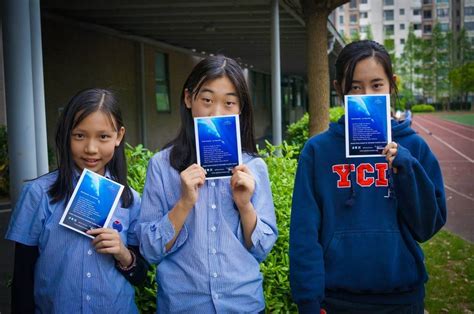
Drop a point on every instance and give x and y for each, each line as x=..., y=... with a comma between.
x=154, y=237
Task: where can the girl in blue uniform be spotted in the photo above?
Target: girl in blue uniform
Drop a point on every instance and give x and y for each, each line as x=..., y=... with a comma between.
x=58, y=270
x=356, y=223
x=208, y=237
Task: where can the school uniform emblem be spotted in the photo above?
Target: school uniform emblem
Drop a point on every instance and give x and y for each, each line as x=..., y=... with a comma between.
x=117, y=226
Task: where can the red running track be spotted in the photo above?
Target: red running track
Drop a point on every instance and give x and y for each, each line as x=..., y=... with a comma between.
x=453, y=145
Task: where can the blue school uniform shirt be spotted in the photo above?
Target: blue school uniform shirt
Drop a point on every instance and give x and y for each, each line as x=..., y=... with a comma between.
x=70, y=276
x=208, y=269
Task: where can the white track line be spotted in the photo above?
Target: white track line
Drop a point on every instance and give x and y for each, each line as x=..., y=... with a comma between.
x=459, y=193
x=4, y=211
x=442, y=141
x=446, y=129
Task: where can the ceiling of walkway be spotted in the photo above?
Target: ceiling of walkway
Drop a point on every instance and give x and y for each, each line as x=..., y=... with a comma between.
x=240, y=29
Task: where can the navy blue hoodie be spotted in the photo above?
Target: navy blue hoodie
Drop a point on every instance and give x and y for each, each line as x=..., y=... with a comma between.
x=355, y=225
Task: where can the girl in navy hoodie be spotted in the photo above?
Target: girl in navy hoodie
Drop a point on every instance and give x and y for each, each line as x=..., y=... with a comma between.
x=356, y=224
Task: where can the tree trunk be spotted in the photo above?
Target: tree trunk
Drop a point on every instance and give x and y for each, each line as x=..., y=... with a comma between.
x=318, y=71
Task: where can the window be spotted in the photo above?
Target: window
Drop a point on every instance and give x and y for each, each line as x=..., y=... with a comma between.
x=387, y=2
x=427, y=29
x=353, y=18
x=416, y=12
x=260, y=93
x=402, y=26
x=442, y=1
x=402, y=41
x=341, y=19
x=427, y=14
x=468, y=10
x=161, y=83
x=444, y=27
x=469, y=26
x=363, y=1
x=388, y=15
x=364, y=29
x=353, y=4
x=388, y=30
x=416, y=27
x=364, y=15
x=402, y=11
x=442, y=12
x=427, y=1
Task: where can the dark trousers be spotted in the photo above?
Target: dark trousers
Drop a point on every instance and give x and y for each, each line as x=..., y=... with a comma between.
x=335, y=306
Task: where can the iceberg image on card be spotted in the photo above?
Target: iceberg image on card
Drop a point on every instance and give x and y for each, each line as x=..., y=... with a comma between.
x=367, y=124
x=218, y=144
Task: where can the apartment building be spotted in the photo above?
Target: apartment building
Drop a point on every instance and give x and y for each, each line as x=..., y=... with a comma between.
x=390, y=19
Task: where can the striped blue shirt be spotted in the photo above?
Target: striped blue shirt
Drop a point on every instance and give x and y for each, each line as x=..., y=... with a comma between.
x=208, y=269
x=70, y=276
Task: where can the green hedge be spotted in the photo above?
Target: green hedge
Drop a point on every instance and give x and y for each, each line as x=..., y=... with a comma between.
x=282, y=168
x=422, y=108
x=298, y=132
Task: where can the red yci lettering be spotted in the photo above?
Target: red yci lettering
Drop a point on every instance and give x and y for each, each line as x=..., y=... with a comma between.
x=362, y=178
x=343, y=172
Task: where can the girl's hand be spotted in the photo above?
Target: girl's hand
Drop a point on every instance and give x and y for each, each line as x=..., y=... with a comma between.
x=243, y=186
x=108, y=241
x=192, y=178
x=390, y=152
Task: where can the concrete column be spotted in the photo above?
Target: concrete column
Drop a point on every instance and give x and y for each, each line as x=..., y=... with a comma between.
x=19, y=93
x=143, y=111
x=38, y=89
x=276, y=76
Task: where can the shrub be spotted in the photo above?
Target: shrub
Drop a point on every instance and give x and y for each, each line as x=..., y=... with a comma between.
x=298, y=132
x=282, y=169
x=422, y=108
x=137, y=161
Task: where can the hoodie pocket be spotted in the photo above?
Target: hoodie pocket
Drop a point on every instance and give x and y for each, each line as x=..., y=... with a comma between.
x=370, y=261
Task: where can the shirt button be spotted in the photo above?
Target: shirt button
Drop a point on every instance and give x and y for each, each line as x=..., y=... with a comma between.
x=216, y=296
x=213, y=228
x=213, y=206
x=214, y=275
x=88, y=275
x=213, y=251
x=88, y=298
x=89, y=252
x=213, y=183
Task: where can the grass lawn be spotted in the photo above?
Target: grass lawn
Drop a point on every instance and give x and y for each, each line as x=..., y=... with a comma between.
x=450, y=263
x=466, y=118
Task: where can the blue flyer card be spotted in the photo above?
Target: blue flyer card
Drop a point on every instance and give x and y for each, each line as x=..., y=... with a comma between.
x=218, y=147
x=368, y=128
x=92, y=203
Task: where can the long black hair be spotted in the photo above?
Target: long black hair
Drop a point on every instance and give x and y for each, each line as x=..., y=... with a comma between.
x=357, y=51
x=79, y=107
x=183, y=151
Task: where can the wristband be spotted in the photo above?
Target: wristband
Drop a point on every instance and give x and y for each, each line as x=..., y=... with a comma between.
x=132, y=264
